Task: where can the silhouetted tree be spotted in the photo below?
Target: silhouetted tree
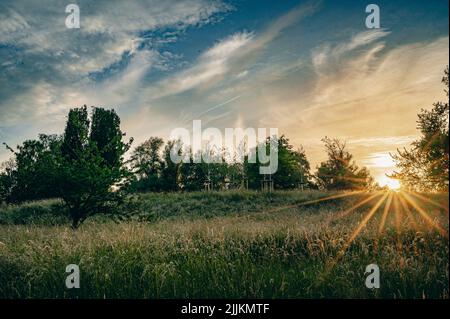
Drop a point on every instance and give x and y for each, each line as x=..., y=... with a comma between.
x=193, y=175
x=340, y=172
x=293, y=167
x=425, y=166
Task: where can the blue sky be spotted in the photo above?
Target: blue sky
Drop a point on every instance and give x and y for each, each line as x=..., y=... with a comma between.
x=309, y=68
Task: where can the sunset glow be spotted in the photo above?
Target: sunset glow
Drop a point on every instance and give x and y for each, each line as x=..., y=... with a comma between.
x=391, y=183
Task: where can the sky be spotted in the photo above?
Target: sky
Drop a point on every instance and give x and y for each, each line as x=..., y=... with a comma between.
x=309, y=68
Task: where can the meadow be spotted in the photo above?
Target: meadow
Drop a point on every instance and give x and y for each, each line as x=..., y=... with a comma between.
x=234, y=244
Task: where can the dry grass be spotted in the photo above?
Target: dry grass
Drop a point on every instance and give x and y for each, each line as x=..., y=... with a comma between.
x=291, y=253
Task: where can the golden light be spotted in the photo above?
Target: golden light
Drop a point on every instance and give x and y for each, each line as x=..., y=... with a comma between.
x=403, y=204
x=381, y=160
x=392, y=184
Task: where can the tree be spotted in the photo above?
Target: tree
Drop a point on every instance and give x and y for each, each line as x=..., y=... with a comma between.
x=170, y=170
x=425, y=166
x=293, y=166
x=32, y=173
x=193, y=175
x=105, y=133
x=146, y=164
x=251, y=169
x=91, y=168
x=340, y=172
x=7, y=180
x=217, y=171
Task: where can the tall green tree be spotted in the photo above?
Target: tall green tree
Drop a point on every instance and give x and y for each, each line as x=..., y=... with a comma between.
x=193, y=175
x=217, y=170
x=105, y=133
x=425, y=166
x=92, y=174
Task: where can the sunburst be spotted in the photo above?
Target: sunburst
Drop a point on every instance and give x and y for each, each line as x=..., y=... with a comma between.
x=403, y=204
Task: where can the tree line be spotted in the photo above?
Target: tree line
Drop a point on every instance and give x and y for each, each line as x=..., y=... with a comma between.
x=87, y=169
x=90, y=154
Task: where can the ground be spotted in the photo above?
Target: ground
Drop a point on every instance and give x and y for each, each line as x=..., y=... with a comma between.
x=229, y=245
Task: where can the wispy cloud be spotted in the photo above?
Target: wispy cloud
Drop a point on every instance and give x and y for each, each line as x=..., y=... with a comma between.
x=44, y=58
x=230, y=55
x=326, y=55
x=211, y=66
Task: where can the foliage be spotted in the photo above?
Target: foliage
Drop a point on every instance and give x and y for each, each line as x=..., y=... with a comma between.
x=426, y=165
x=31, y=174
x=146, y=164
x=91, y=170
x=340, y=170
x=170, y=170
x=293, y=167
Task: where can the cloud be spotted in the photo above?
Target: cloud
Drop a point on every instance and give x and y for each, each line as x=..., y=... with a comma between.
x=46, y=68
x=371, y=99
x=366, y=89
x=325, y=56
x=289, y=19
x=41, y=56
x=382, y=140
x=361, y=39
x=378, y=160
x=211, y=66
x=12, y=25
x=229, y=55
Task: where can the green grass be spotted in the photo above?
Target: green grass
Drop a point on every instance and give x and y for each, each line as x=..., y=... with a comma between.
x=222, y=245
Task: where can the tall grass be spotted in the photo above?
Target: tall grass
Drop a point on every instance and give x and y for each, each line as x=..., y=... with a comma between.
x=235, y=253
x=44, y=212
x=152, y=207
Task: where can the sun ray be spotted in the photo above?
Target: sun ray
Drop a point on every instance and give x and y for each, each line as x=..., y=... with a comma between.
x=408, y=212
x=424, y=214
x=398, y=218
x=331, y=197
x=278, y=209
x=357, y=205
x=360, y=227
x=428, y=200
x=366, y=219
x=385, y=212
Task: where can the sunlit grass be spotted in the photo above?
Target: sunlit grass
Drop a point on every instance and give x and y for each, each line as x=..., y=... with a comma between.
x=241, y=249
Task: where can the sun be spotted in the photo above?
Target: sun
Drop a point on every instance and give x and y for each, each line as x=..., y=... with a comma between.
x=392, y=184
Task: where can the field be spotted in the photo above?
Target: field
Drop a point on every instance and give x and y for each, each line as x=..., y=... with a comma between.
x=228, y=245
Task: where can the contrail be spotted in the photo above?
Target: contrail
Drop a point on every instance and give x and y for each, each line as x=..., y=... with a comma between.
x=219, y=105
